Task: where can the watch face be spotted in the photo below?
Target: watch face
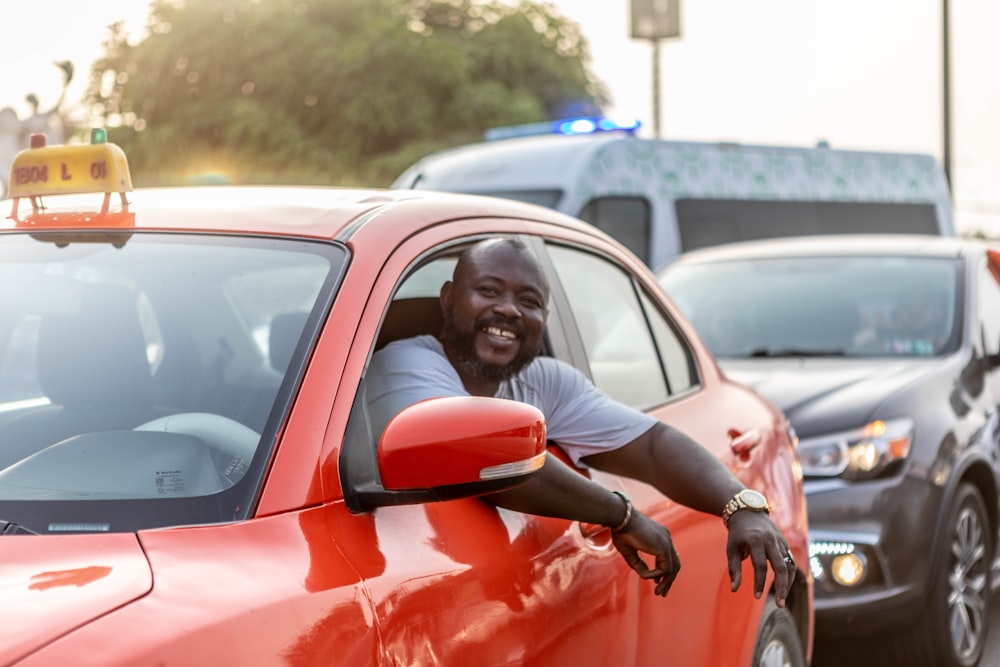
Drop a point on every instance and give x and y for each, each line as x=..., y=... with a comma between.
x=754, y=499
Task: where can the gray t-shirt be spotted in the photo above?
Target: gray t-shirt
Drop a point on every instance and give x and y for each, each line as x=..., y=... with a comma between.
x=579, y=417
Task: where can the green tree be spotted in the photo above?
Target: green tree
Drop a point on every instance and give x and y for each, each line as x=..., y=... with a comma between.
x=331, y=91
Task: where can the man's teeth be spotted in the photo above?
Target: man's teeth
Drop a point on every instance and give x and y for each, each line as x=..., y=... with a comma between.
x=504, y=333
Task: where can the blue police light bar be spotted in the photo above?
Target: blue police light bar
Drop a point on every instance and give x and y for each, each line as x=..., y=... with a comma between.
x=581, y=125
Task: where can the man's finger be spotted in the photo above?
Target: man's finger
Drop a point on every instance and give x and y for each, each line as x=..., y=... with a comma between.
x=735, y=569
x=664, y=584
x=633, y=559
x=759, y=560
x=784, y=575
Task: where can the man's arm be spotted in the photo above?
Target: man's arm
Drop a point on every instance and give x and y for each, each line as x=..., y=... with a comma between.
x=558, y=491
x=686, y=472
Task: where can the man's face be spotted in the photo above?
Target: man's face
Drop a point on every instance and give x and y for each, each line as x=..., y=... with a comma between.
x=495, y=312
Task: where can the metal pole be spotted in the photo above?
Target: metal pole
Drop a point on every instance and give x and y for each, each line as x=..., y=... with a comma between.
x=656, y=87
x=946, y=93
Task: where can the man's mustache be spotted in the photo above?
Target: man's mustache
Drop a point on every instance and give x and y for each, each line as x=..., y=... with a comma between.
x=502, y=323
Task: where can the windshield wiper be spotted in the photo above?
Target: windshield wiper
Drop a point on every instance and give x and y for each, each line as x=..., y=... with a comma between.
x=9, y=528
x=796, y=352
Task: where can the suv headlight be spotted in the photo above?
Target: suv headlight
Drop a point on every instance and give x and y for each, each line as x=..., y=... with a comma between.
x=859, y=454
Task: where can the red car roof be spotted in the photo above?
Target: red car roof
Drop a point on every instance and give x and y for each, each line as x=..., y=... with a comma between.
x=310, y=212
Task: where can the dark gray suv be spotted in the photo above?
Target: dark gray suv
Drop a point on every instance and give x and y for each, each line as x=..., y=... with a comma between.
x=884, y=354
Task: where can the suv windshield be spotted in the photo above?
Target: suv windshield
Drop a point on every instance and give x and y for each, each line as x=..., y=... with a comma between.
x=821, y=306
x=142, y=375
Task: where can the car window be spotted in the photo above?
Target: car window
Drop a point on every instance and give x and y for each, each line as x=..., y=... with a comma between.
x=546, y=198
x=621, y=349
x=708, y=222
x=989, y=310
x=674, y=352
x=146, y=371
x=821, y=306
x=634, y=353
x=427, y=279
x=627, y=219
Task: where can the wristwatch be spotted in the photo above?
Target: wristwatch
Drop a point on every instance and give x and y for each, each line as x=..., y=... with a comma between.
x=746, y=499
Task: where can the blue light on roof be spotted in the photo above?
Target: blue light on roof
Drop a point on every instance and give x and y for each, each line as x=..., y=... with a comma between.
x=582, y=125
x=578, y=126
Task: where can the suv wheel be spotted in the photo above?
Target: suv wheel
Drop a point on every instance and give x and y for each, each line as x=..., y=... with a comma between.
x=952, y=631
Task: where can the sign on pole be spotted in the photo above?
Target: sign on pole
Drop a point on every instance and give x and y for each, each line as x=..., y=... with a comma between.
x=656, y=19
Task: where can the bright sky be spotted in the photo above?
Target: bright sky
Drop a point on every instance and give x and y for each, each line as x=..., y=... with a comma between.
x=858, y=73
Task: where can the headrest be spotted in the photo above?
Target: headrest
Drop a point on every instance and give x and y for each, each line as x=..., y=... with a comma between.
x=95, y=358
x=411, y=317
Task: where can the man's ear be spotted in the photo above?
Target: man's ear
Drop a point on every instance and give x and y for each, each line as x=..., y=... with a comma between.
x=446, y=297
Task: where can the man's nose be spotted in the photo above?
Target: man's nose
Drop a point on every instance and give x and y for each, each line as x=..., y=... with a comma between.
x=507, y=306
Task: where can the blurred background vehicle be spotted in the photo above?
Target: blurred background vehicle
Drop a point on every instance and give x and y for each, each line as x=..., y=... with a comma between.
x=884, y=353
x=661, y=198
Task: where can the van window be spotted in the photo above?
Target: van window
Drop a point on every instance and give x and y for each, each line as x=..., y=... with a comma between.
x=709, y=222
x=626, y=219
x=546, y=198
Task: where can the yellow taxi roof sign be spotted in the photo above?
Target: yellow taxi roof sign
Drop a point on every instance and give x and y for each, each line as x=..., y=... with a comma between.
x=58, y=170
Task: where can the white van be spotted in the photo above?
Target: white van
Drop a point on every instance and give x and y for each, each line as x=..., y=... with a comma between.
x=661, y=198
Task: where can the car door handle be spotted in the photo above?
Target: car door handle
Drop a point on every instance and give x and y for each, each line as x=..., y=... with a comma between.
x=741, y=443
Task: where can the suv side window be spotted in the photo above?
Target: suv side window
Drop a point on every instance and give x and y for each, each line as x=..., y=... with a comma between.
x=989, y=310
x=632, y=351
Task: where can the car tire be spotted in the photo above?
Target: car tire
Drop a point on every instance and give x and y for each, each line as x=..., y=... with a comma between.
x=952, y=631
x=778, y=642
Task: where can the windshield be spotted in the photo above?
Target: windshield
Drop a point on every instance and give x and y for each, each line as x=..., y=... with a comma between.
x=821, y=306
x=139, y=375
x=546, y=198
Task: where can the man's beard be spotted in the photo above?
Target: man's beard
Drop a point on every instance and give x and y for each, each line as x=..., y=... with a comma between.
x=461, y=346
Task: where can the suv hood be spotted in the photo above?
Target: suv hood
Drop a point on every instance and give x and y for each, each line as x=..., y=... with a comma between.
x=52, y=584
x=818, y=395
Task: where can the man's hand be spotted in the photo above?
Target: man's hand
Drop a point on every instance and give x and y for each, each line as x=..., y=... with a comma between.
x=643, y=535
x=754, y=534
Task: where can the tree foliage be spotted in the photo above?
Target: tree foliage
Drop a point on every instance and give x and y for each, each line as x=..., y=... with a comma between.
x=331, y=91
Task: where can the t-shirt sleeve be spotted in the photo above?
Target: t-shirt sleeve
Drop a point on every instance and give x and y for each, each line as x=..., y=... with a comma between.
x=582, y=419
x=403, y=373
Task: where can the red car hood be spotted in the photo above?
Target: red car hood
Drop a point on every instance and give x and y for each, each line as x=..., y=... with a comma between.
x=51, y=584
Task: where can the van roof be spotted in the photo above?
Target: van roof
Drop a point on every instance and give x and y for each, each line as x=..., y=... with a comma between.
x=610, y=163
x=472, y=167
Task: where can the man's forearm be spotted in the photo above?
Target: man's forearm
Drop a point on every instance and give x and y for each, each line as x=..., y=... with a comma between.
x=676, y=465
x=558, y=491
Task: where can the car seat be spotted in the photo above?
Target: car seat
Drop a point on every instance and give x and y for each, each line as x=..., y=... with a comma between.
x=411, y=317
x=92, y=367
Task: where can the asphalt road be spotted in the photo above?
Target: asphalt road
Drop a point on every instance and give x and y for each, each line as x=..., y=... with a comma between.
x=834, y=656
x=991, y=657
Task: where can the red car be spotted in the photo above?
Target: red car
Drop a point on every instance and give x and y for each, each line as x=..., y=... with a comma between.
x=188, y=476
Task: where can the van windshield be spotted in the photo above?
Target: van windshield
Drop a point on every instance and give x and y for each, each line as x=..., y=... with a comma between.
x=710, y=222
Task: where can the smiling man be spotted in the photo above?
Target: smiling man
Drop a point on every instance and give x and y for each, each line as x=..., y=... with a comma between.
x=495, y=309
